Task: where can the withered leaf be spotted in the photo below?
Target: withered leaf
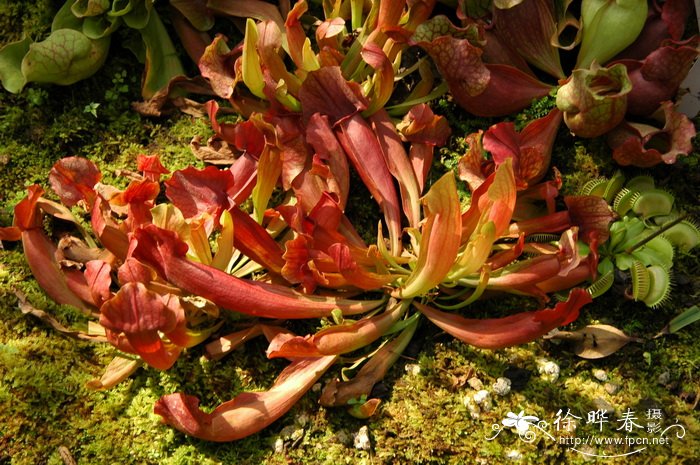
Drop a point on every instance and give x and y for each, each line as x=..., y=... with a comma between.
x=28, y=308
x=117, y=371
x=596, y=341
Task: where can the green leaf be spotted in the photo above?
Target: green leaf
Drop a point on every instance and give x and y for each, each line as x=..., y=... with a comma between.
x=98, y=27
x=689, y=316
x=88, y=8
x=139, y=15
x=162, y=61
x=122, y=7
x=609, y=26
x=11, y=56
x=252, y=73
x=65, y=19
x=65, y=57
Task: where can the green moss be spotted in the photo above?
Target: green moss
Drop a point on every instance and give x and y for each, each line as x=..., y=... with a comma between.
x=538, y=109
x=580, y=161
x=423, y=418
x=34, y=19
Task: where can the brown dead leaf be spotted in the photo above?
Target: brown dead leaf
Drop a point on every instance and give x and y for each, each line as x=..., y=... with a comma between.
x=595, y=341
x=73, y=249
x=169, y=98
x=365, y=410
x=66, y=456
x=217, y=151
x=29, y=309
x=117, y=371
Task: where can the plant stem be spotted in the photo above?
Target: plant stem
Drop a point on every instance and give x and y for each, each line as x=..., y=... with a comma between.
x=661, y=230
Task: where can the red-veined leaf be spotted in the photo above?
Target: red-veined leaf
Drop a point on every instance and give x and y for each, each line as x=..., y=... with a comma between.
x=338, y=393
x=195, y=192
x=74, y=179
x=140, y=315
x=151, y=167
x=496, y=333
x=338, y=339
x=163, y=251
x=248, y=412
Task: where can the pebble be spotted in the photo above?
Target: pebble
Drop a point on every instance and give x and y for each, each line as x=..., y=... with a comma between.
x=483, y=399
x=601, y=404
x=361, y=441
x=549, y=370
x=600, y=375
x=302, y=419
x=475, y=383
x=287, y=431
x=344, y=437
x=279, y=446
x=412, y=369
x=297, y=435
x=514, y=455
x=589, y=453
x=611, y=388
x=472, y=407
x=316, y=387
x=501, y=387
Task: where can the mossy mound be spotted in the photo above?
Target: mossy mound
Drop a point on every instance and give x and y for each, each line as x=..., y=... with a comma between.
x=425, y=416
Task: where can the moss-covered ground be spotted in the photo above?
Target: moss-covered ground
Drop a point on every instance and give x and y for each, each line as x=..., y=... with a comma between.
x=427, y=415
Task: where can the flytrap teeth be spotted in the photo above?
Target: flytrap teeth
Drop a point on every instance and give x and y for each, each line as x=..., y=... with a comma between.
x=624, y=201
x=542, y=238
x=614, y=186
x=660, y=286
x=595, y=186
x=685, y=235
x=601, y=285
x=641, y=281
x=641, y=183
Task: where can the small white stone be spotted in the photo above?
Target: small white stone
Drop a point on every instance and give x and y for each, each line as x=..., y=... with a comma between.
x=600, y=375
x=611, y=388
x=514, y=455
x=475, y=383
x=549, y=370
x=664, y=378
x=361, y=440
x=502, y=386
x=279, y=446
x=603, y=405
x=472, y=407
x=412, y=369
x=316, y=387
x=483, y=399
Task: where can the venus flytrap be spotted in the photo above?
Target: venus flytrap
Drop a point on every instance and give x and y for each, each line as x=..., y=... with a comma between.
x=643, y=241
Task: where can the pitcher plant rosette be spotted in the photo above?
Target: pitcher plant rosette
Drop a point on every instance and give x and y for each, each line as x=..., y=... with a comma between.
x=261, y=236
